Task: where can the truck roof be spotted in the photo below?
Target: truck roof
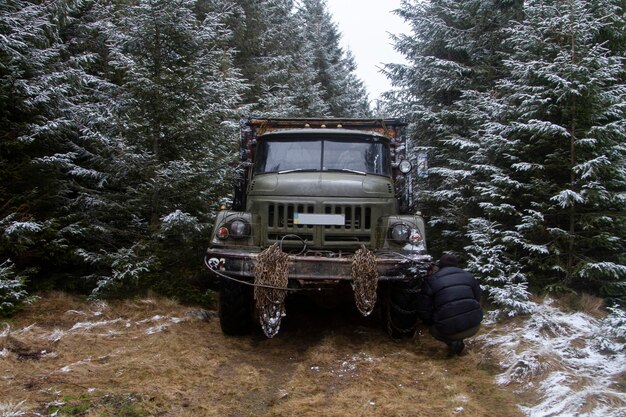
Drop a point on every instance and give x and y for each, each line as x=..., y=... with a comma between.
x=323, y=131
x=385, y=127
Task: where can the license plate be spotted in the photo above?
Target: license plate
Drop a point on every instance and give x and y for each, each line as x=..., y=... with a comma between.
x=319, y=219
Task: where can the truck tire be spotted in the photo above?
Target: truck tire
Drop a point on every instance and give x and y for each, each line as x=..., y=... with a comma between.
x=400, y=312
x=235, y=308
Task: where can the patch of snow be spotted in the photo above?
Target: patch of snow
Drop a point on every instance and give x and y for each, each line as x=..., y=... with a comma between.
x=201, y=314
x=68, y=368
x=86, y=325
x=50, y=355
x=12, y=409
x=156, y=329
x=177, y=320
x=152, y=319
x=566, y=358
x=350, y=365
x=159, y=327
x=78, y=312
x=347, y=367
x=7, y=329
x=56, y=335
x=26, y=329
x=4, y=353
x=282, y=393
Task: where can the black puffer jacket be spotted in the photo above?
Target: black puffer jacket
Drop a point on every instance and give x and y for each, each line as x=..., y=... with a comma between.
x=450, y=300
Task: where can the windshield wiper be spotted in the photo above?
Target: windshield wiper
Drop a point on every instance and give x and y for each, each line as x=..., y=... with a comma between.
x=354, y=171
x=295, y=170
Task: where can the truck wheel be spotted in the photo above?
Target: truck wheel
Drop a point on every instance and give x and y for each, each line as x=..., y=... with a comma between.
x=400, y=313
x=235, y=308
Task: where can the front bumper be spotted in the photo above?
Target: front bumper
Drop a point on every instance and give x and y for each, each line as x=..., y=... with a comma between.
x=307, y=270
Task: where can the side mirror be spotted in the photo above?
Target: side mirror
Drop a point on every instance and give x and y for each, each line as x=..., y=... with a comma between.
x=422, y=165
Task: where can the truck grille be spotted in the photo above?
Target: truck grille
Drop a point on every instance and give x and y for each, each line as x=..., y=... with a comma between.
x=356, y=230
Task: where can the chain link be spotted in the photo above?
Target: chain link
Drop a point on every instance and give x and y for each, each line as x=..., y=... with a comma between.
x=271, y=278
x=364, y=280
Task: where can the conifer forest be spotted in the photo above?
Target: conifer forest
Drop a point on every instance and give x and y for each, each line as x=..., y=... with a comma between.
x=119, y=124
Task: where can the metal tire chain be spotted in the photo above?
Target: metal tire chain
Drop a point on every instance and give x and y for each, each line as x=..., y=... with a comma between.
x=401, y=310
x=414, y=290
x=364, y=280
x=271, y=279
x=390, y=326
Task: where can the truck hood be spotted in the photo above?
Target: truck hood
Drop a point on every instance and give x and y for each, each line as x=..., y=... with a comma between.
x=322, y=184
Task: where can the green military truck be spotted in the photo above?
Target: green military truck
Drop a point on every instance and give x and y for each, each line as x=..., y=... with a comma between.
x=333, y=198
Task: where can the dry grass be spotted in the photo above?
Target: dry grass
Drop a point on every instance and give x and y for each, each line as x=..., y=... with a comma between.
x=586, y=303
x=156, y=357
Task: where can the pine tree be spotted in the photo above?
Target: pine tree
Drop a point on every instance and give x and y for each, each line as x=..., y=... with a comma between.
x=495, y=230
x=98, y=221
x=455, y=60
x=453, y=52
x=565, y=123
x=12, y=289
x=178, y=95
x=334, y=69
x=43, y=159
x=500, y=273
x=268, y=41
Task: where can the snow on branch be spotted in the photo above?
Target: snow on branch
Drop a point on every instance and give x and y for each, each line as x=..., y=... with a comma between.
x=12, y=289
x=609, y=270
x=568, y=198
x=177, y=220
x=588, y=169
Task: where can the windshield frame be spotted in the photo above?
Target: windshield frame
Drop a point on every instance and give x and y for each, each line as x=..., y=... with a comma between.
x=327, y=162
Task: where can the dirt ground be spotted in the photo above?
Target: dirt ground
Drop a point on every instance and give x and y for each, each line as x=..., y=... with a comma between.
x=154, y=357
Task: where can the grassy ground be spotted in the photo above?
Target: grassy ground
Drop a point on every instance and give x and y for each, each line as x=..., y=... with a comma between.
x=155, y=357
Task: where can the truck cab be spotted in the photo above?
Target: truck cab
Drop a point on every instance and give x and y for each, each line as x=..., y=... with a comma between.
x=321, y=189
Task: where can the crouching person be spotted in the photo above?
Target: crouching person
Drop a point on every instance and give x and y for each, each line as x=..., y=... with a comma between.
x=450, y=303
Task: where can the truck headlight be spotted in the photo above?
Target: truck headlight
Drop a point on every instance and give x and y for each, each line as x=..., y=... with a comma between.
x=400, y=232
x=239, y=229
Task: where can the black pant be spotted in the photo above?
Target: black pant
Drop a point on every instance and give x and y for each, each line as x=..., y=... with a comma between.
x=454, y=337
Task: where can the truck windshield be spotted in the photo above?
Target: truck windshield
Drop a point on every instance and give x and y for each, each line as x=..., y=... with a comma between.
x=350, y=155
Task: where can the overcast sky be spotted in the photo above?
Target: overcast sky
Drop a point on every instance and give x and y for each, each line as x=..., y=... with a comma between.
x=365, y=26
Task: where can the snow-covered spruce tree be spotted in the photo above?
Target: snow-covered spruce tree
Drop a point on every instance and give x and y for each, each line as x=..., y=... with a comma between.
x=46, y=163
x=494, y=231
x=26, y=47
x=334, y=69
x=500, y=273
x=12, y=290
x=566, y=100
x=266, y=39
x=275, y=59
x=178, y=92
x=99, y=223
x=454, y=51
x=308, y=92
